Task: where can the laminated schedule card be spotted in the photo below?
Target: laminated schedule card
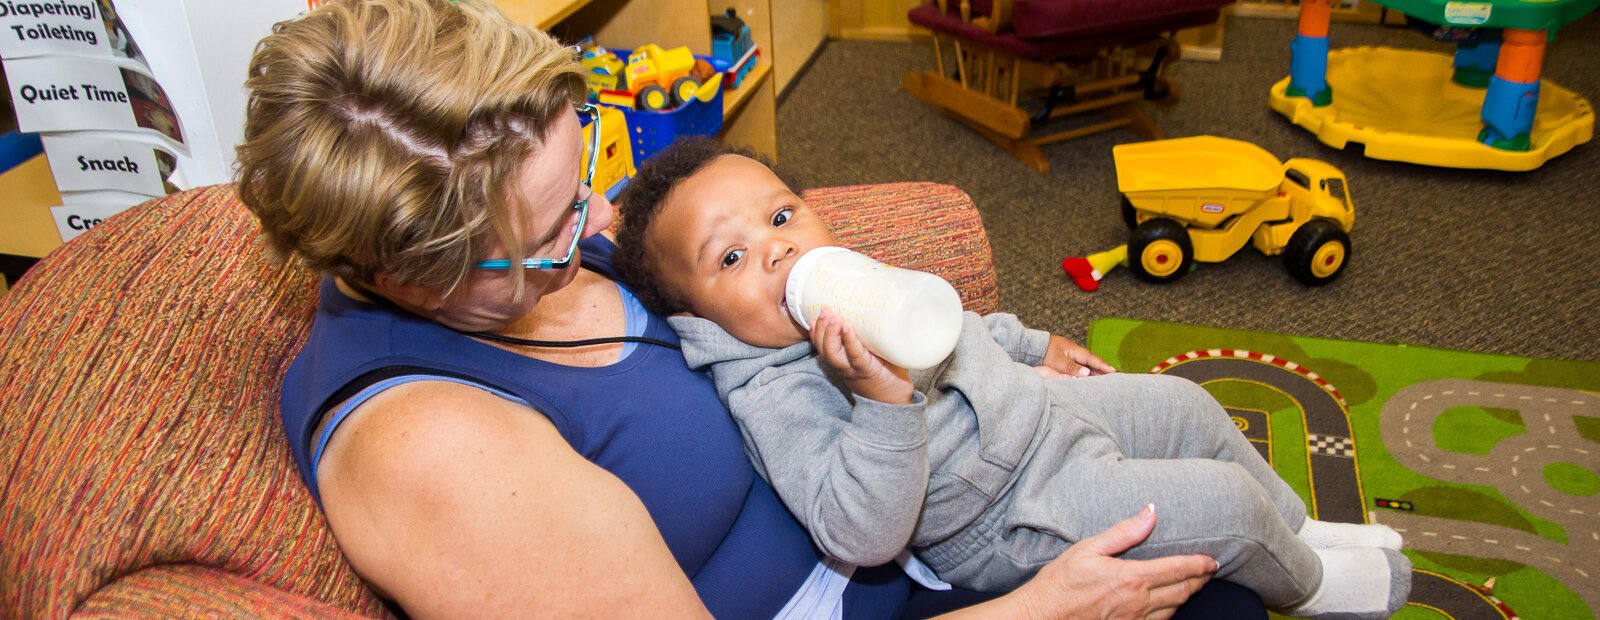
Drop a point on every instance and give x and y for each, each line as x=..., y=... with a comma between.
x=88, y=28
x=53, y=94
x=90, y=164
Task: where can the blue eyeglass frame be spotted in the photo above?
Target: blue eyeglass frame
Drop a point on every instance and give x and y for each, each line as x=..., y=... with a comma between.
x=582, y=206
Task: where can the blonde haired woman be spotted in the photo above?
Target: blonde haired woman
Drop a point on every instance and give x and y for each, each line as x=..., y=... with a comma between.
x=425, y=156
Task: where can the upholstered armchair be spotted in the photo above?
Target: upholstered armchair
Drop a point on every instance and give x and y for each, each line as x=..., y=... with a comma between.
x=145, y=470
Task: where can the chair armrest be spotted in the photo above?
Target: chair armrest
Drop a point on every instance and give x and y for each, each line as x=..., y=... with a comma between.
x=925, y=226
x=191, y=591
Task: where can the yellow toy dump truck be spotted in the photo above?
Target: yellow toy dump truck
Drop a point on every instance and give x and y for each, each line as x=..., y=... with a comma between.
x=661, y=78
x=1201, y=198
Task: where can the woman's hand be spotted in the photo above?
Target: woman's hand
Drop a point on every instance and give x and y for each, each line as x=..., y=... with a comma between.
x=1087, y=582
x=1065, y=358
x=864, y=373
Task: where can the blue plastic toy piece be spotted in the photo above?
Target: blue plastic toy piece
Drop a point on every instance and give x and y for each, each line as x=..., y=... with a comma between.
x=1474, y=62
x=1308, y=70
x=1508, y=109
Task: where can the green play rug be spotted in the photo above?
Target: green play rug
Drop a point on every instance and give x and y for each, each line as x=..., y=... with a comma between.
x=1488, y=465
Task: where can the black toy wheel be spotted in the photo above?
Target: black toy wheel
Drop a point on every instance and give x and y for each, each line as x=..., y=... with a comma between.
x=1130, y=215
x=1317, y=253
x=653, y=98
x=1159, y=250
x=683, y=89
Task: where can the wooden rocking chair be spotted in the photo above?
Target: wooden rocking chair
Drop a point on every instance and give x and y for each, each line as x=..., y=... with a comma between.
x=1020, y=63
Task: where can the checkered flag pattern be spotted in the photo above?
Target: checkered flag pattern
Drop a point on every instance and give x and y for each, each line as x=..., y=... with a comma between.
x=1329, y=445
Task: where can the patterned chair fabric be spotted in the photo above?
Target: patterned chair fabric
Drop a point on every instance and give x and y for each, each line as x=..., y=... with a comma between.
x=146, y=471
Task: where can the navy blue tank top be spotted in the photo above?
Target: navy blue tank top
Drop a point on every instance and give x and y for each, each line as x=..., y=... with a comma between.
x=648, y=419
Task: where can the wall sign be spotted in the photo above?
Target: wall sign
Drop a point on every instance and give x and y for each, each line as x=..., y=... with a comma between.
x=75, y=219
x=87, y=28
x=87, y=164
x=72, y=94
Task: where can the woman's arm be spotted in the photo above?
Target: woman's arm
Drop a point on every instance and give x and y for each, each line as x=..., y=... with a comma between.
x=455, y=502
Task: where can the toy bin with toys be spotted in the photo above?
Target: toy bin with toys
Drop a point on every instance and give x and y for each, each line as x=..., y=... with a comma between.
x=650, y=132
x=662, y=93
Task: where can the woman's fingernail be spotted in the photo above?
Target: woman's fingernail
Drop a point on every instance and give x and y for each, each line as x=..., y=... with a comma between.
x=1149, y=509
x=1215, y=566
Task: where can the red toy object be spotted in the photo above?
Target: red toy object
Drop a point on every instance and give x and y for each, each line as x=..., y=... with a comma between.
x=1086, y=271
x=1083, y=274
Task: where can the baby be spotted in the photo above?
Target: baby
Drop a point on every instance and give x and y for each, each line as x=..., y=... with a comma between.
x=987, y=465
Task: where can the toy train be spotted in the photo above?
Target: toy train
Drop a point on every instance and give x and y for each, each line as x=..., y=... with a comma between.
x=732, y=49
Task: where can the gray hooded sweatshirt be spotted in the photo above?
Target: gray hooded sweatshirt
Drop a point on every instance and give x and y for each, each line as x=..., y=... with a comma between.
x=870, y=479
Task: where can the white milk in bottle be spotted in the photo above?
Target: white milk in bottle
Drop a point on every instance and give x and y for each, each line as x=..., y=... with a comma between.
x=909, y=318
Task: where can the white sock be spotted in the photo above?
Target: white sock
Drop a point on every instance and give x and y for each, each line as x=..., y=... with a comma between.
x=1359, y=584
x=1330, y=535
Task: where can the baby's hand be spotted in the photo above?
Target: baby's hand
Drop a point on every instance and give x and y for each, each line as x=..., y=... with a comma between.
x=1071, y=360
x=864, y=373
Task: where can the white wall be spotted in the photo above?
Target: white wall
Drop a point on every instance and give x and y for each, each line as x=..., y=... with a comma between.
x=198, y=51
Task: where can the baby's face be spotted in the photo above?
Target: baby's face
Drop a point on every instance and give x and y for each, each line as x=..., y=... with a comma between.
x=725, y=241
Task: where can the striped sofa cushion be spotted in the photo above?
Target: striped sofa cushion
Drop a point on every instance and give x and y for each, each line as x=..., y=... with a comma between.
x=139, y=372
x=926, y=226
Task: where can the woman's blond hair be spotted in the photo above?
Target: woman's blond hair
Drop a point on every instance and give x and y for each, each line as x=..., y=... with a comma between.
x=385, y=136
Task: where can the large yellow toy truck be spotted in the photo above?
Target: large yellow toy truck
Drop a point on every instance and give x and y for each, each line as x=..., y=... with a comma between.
x=661, y=78
x=1201, y=198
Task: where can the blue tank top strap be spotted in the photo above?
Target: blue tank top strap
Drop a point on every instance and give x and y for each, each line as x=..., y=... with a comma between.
x=636, y=319
x=337, y=416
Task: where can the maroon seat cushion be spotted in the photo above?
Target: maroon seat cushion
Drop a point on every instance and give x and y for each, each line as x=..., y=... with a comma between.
x=1036, y=19
x=1098, y=24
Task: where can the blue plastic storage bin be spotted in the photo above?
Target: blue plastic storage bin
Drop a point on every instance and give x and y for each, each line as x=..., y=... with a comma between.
x=649, y=132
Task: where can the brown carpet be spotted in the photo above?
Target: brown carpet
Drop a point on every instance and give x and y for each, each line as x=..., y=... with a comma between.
x=1473, y=260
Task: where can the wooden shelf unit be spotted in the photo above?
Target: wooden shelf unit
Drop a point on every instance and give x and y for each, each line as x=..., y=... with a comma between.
x=734, y=99
x=750, y=111
x=545, y=15
x=30, y=191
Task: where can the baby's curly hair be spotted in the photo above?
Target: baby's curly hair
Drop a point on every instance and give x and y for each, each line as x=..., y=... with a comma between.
x=642, y=200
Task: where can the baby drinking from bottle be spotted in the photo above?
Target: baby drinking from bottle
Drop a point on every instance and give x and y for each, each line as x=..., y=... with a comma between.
x=992, y=461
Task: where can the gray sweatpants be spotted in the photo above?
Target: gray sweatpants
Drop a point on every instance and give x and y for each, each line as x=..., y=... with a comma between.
x=1120, y=441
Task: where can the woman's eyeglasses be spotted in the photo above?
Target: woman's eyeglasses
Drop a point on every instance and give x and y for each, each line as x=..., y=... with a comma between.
x=581, y=206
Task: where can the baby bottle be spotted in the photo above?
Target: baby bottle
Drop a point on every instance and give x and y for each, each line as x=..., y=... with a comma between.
x=909, y=318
